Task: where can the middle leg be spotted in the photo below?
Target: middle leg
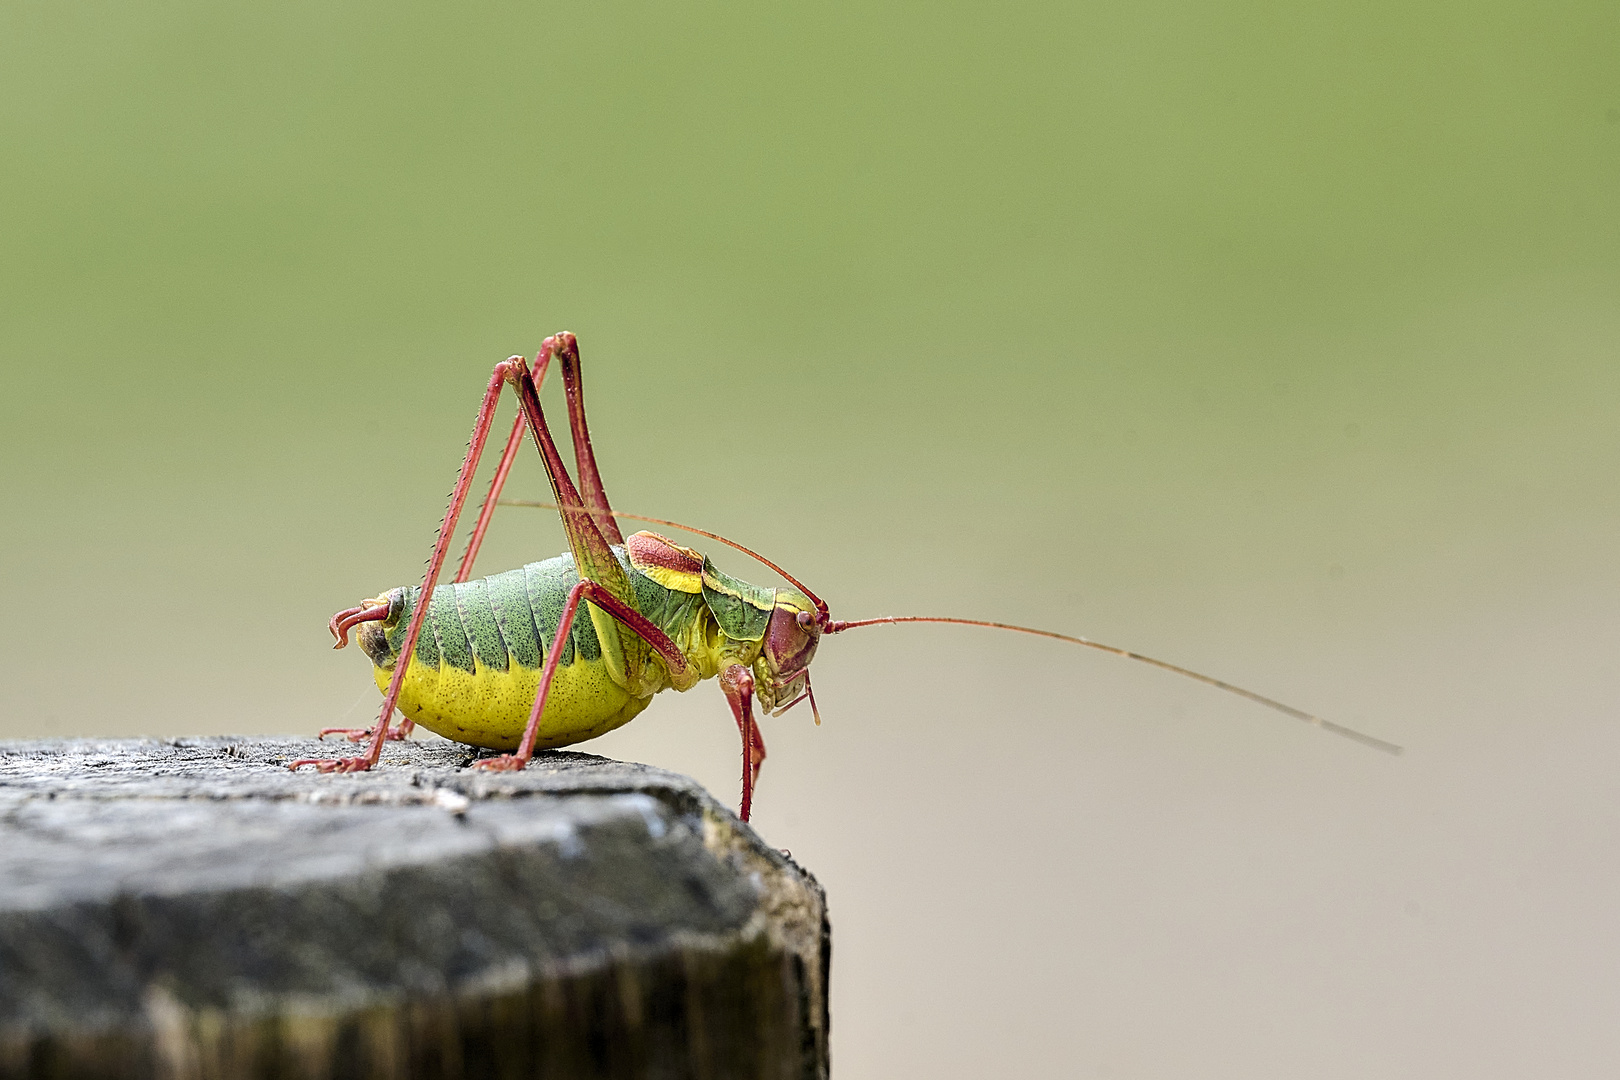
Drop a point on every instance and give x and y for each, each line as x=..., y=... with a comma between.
x=594, y=591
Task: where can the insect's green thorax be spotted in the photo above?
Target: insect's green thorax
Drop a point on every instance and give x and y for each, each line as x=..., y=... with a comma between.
x=715, y=619
x=741, y=610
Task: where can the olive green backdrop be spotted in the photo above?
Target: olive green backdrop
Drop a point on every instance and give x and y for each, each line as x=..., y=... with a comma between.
x=1279, y=340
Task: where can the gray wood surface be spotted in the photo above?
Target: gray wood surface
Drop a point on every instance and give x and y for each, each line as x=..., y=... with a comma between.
x=190, y=908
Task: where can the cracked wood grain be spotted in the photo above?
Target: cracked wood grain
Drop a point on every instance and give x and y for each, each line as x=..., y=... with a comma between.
x=189, y=908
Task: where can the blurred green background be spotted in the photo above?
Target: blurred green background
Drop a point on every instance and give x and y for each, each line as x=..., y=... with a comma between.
x=1279, y=340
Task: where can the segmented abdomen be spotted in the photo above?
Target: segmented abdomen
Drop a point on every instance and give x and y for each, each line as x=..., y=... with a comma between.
x=514, y=615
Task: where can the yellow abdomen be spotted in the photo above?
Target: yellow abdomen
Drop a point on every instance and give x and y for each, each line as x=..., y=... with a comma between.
x=490, y=708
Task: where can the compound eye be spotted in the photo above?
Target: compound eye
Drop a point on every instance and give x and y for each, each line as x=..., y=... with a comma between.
x=790, y=640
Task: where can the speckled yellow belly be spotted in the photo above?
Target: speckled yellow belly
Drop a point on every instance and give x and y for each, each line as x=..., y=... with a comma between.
x=489, y=708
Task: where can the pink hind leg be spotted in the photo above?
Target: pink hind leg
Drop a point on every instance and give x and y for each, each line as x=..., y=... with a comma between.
x=514, y=370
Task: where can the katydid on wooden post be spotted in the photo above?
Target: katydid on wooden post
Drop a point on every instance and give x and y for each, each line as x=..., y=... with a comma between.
x=507, y=663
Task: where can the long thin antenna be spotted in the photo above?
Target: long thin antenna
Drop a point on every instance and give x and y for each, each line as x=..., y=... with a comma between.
x=836, y=627
x=1207, y=680
x=750, y=552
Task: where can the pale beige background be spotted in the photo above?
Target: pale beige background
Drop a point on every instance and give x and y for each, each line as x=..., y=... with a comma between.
x=1277, y=341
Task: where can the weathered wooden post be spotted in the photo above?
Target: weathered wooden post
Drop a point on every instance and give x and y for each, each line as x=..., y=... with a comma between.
x=189, y=908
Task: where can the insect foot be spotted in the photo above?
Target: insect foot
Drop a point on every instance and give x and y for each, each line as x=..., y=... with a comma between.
x=331, y=765
x=360, y=734
x=502, y=763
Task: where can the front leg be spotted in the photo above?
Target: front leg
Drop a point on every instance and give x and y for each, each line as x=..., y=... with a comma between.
x=738, y=685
